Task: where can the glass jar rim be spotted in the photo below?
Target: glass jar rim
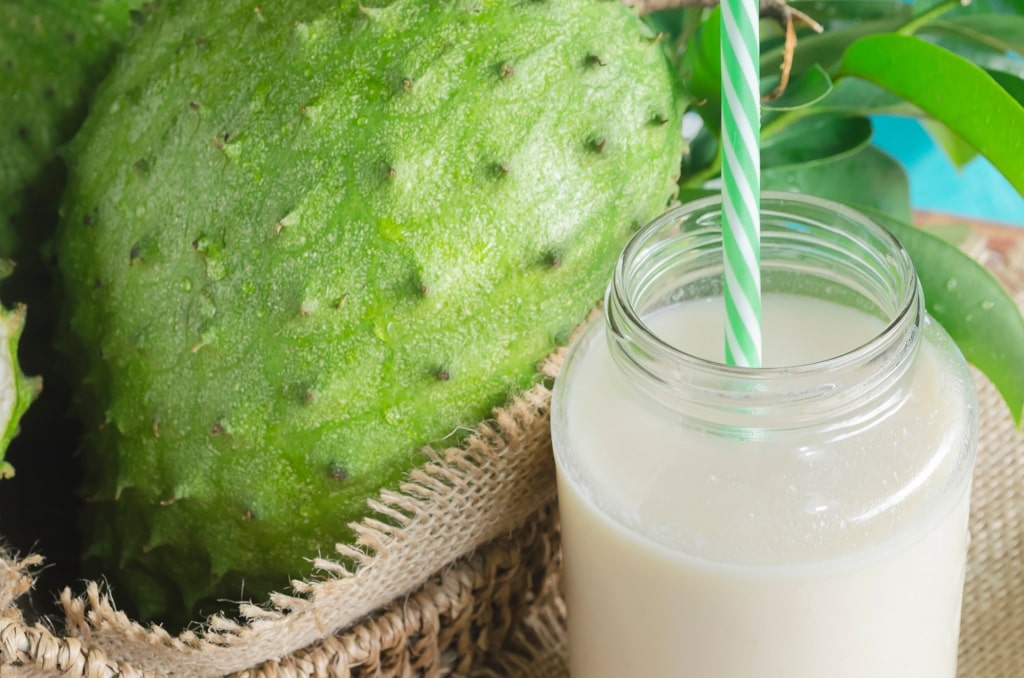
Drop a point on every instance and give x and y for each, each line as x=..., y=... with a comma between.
x=771, y=201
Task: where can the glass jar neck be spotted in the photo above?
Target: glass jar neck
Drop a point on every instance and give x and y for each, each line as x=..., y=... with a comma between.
x=809, y=247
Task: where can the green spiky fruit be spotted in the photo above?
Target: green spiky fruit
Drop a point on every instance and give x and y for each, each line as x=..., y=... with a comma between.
x=52, y=54
x=305, y=239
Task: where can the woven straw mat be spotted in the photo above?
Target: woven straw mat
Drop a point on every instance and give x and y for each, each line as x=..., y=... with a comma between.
x=458, y=574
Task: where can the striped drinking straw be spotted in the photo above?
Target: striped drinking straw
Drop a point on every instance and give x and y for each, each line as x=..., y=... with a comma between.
x=741, y=182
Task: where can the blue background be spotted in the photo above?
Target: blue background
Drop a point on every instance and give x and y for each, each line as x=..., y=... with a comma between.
x=977, y=190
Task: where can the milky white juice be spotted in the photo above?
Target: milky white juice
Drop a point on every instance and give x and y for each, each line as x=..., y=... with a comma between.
x=828, y=551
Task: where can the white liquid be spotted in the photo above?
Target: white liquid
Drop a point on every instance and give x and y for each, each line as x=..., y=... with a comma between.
x=694, y=556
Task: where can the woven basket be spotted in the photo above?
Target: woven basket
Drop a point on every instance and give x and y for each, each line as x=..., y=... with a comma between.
x=440, y=579
x=460, y=575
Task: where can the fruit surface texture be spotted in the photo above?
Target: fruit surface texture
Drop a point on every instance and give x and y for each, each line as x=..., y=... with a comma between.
x=52, y=54
x=303, y=240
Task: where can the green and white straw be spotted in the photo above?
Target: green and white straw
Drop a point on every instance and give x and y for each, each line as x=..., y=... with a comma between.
x=741, y=181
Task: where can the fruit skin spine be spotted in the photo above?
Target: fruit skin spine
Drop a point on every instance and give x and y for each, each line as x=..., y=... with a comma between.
x=295, y=259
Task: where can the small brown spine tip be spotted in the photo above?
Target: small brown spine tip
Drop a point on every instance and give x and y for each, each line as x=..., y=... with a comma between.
x=258, y=11
x=501, y=169
x=218, y=143
x=593, y=60
x=340, y=301
x=552, y=259
x=597, y=145
x=391, y=172
x=407, y=84
x=505, y=70
x=248, y=515
x=309, y=396
x=168, y=502
x=336, y=471
x=216, y=429
x=193, y=105
x=156, y=428
x=442, y=374
x=659, y=119
x=277, y=228
x=133, y=254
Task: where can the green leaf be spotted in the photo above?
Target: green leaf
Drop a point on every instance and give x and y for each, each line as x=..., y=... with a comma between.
x=868, y=177
x=1013, y=85
x=971, y=305
x=701, y=68
x=815, y=139
x=950, y=89
x=922, y=6
x=982, y=7
x=826, y=49
x=853, y=96
x=809, y=88
x=957, y=150
x=981, y=55
x=953, y=233
x=676, y=25
x=833, y=14
x=671, y=22
x=1002, y=32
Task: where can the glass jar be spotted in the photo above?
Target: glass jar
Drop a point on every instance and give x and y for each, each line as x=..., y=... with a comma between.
x=800, y=520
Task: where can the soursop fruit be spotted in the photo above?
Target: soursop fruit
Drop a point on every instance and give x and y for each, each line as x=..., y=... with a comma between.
x=52, y=55
x=304, y=239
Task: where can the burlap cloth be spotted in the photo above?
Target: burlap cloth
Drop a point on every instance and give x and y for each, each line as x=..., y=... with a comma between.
x=459, y=573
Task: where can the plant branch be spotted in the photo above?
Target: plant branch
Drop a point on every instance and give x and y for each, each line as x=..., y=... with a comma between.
x=769, y=9
x=691, y=23
x=648, y=6
x=697, y=179
x=921, y=19
x=781, y=121
x=787, y=17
